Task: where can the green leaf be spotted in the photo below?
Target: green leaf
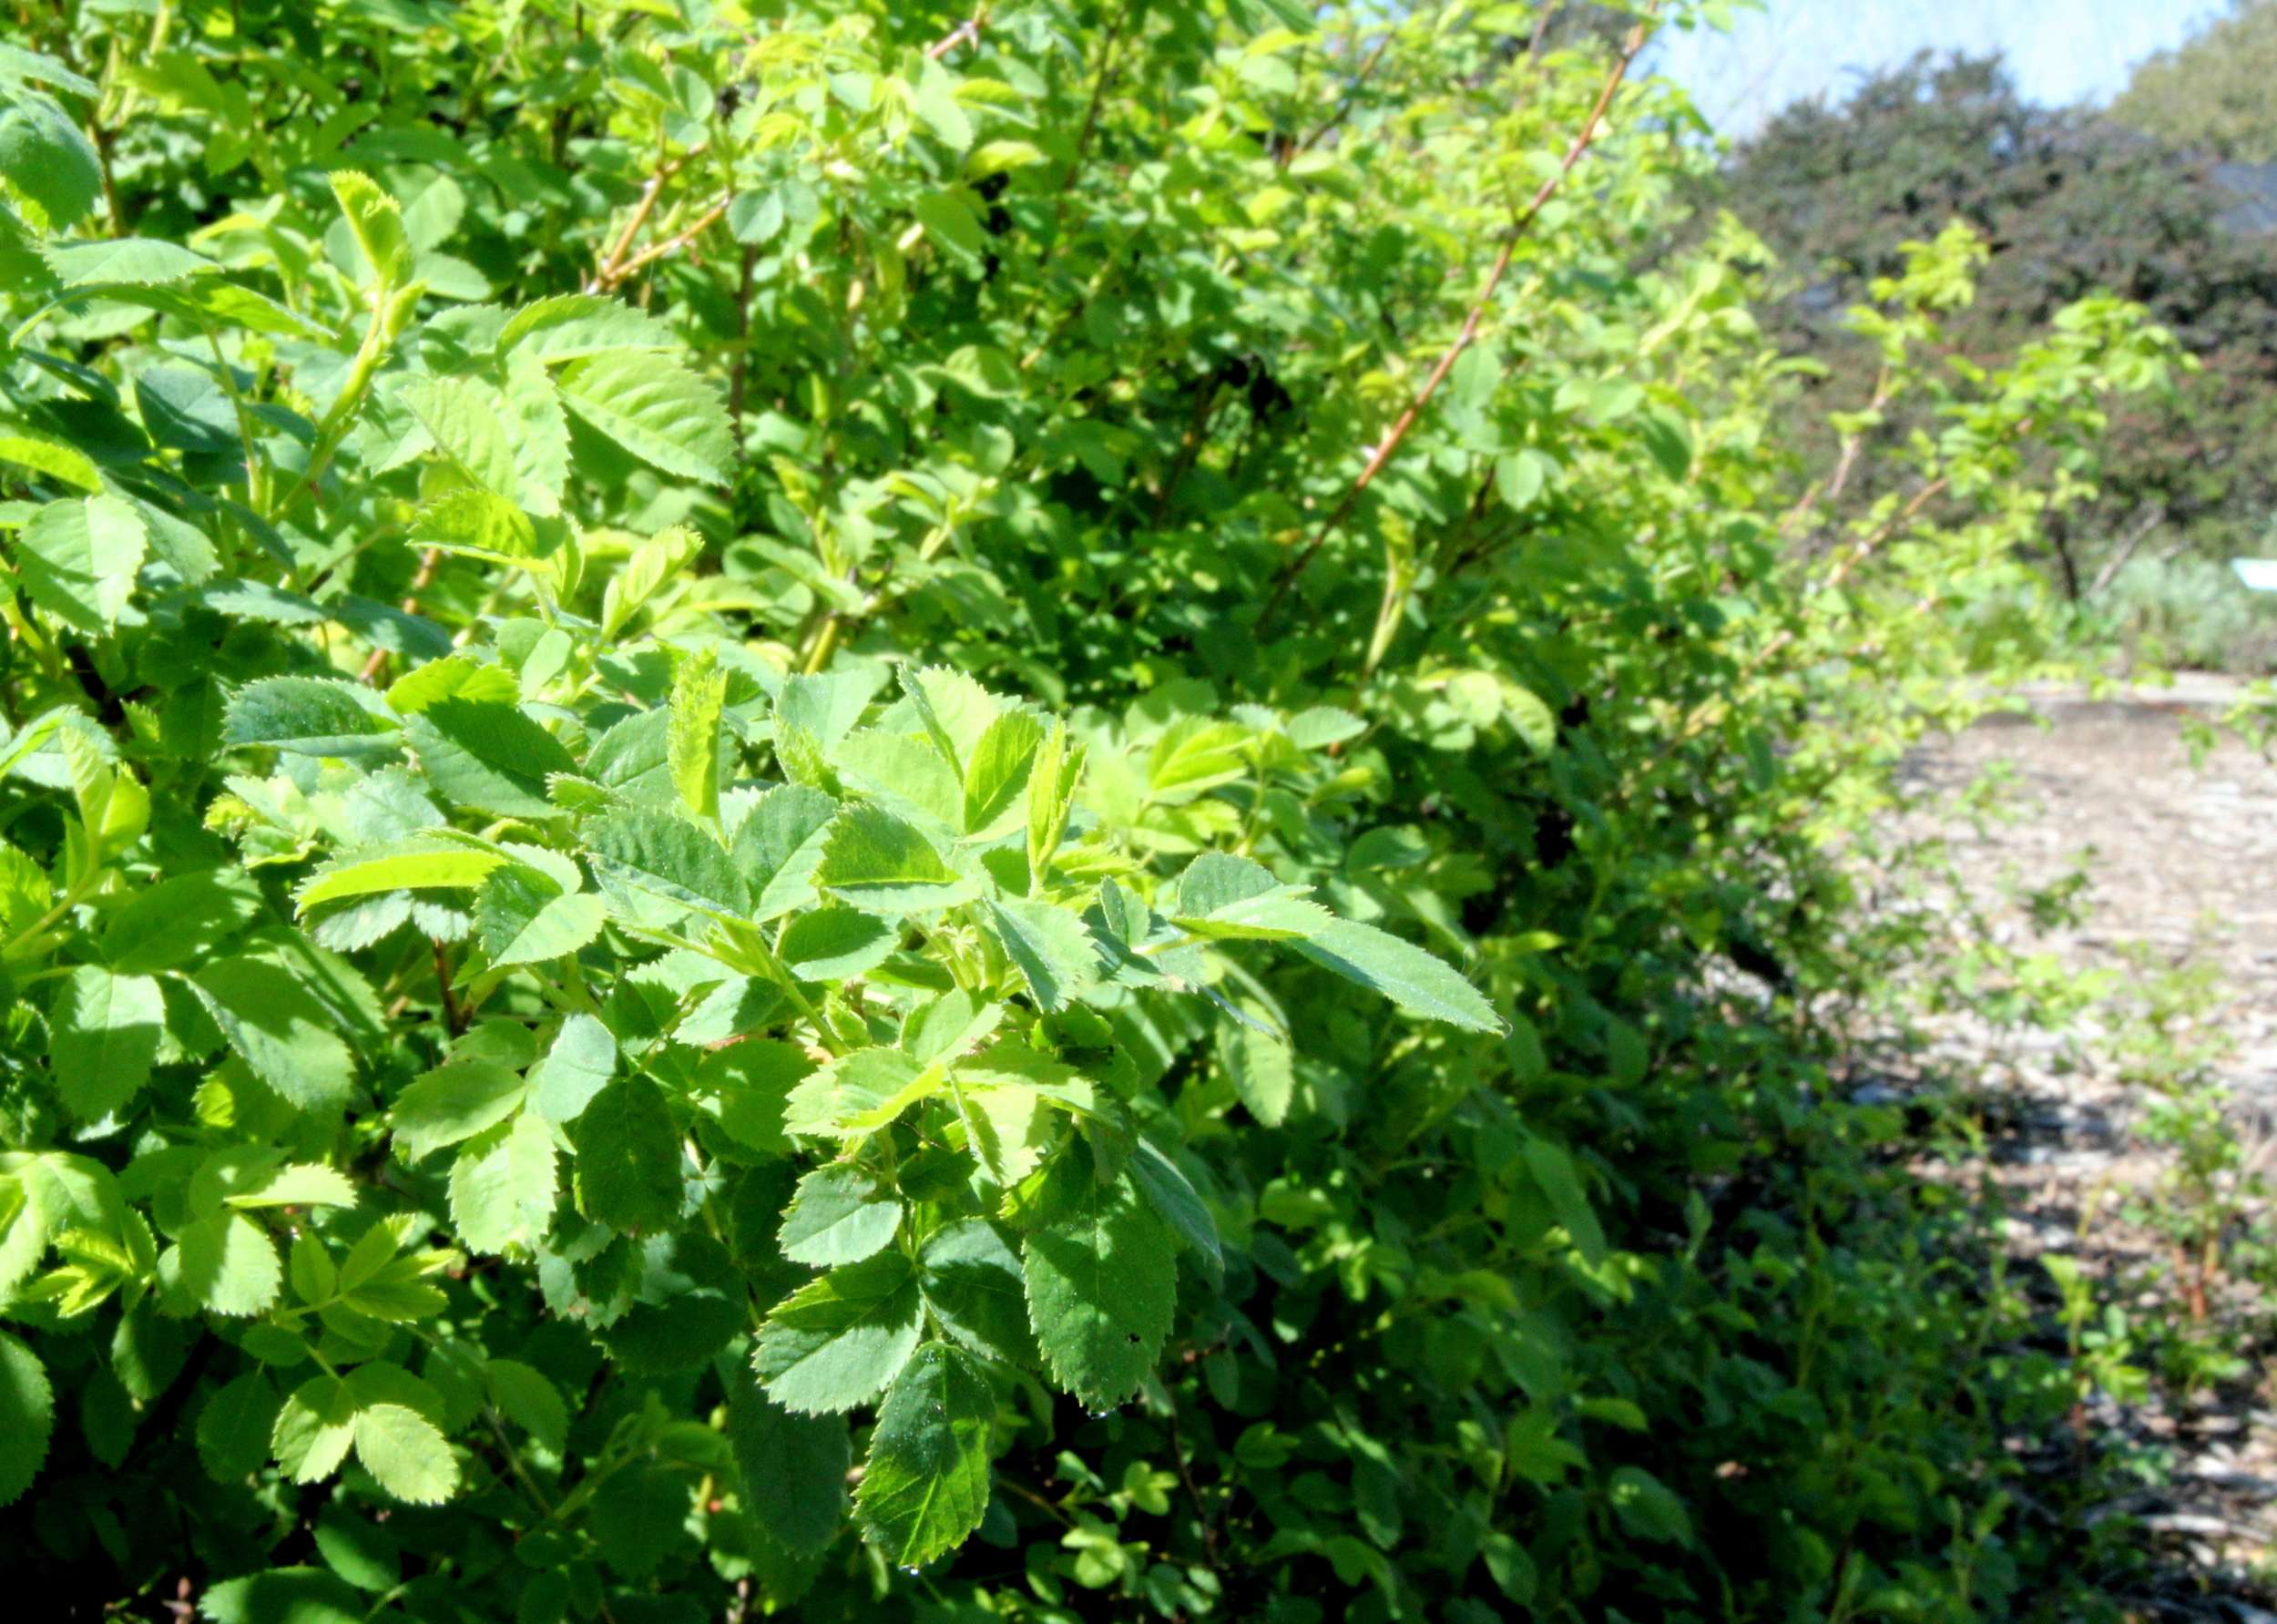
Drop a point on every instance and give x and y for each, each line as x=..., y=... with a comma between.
x=520, y=927
x=749, y=1084
x=422, y=868
x=406, y=1453
x=949, y=221
x=925, y=1484
x=458, y=677
x=838, y=1216
x=858, y=1093
x=79, y=559
x=28, y=1417
x=1101, y=1283
x=451, y=1103
x=315, y=1429
x=1194, y=754
x=309, y=716
x=698, y=692
x=1173, y=1197
x=569, y=325
x=480, y=523
x=103, y=1034
x=1051, y=947
x=835, y=944
x=224, y=1261
x=793, y=1468
x=529, y=1400
x=876, y=861
x=300, y=1184
x=665, y=856
x=629, y=1158
x=1401, y=972
x=1051, y=791
x=1553, y=1170
x=288, y=1039
x=57, y=461
x=44, y=157
x=179, y=920
x=377, y=222
x=503, y=1186
x=972, y=1281
x=779, y=845
x=578, y=1066
x=997, y=773
x=284, y=1596
x=493, y=757
x=234, y=1427
x=837, y=1340
x=655, y=408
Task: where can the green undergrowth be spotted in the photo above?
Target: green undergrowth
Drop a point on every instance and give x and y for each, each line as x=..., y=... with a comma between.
x=861, y=812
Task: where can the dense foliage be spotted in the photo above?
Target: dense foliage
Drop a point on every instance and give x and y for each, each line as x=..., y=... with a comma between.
x=2212, y=93
x=709, y=711
x=2070, y=203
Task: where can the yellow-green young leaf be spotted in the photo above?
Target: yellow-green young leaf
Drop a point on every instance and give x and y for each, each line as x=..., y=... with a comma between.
x=302, y=1184
x=1051, y=795
x=955, y=709
x=103, y=1033
x=924, y=1485
x=405, y=1451
x=481, y=524
x=377, y=221
x=393, y=1293
x=1101, y=1284
x=1194, y=754
x=422, y=869
x=655, y=408
x=657, y=561
x=568, y=325
x=77, y=560
x=314, y=1429
x=28, y=1417
x=141, y=261
x=560, y=926
x=459, y=677
x=527, y=1399
x=793, y=1468
x=629, y=1158
x=57, y=461
x=700, y=690
x=997, y=772
x=1403, y=972
x=836, y=1342
x=451, y=1103
x=503, y=1186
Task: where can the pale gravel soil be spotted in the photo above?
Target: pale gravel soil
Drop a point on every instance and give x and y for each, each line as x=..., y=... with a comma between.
x=2182, y=860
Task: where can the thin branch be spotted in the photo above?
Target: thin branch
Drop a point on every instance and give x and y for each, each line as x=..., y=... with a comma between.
x=606, y=273
x=1344, y=110
x=655, y=251
x=1399, y=430
x=1090, y=117
x=966, y=33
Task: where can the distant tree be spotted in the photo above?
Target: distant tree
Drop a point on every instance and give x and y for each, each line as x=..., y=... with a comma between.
x=2216, y=94
x=2069, y=203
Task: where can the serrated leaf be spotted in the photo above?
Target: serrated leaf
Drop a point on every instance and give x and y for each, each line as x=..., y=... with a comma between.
x=1051, y=790
x=569, y=325
x=180, y=920
x=749, y=1084
x=858, y=1093
x=1052, y=949
x=315, y=1425
x=837, y=1340
x=971, y=1278
x=479, y=523
x=835, y=944
x=28, y=1417
x=698, y=692
x=1101, y=1285
x=235, y=1425
x=578, y=1066
x=376, y=220
x=878, y=863
x=838, y=1216
x=925, y=1484
x=666, y=856
x=284, y=1596
x=103, y=1035
x=299, y=1184
x=79, y=559
x=628, y=1167
x=307, y=715
x=1194, y=754
x=451, y=1103
x=1174, y=1198
x=529, y=1400
x=997, y=773
x=793, y=1468
x=224, y=1262
x=1322, y=726
x=656, y=409
x=490, y=756
x=1403, y=972
x=406, y=1453
x=47, y=158
x=779, y=845
x=555, y=927
x=424, y=868
x=289, y=1040
x=503, y=1186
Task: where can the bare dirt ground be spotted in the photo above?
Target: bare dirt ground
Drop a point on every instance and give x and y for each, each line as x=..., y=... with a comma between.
x=2181, y=863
